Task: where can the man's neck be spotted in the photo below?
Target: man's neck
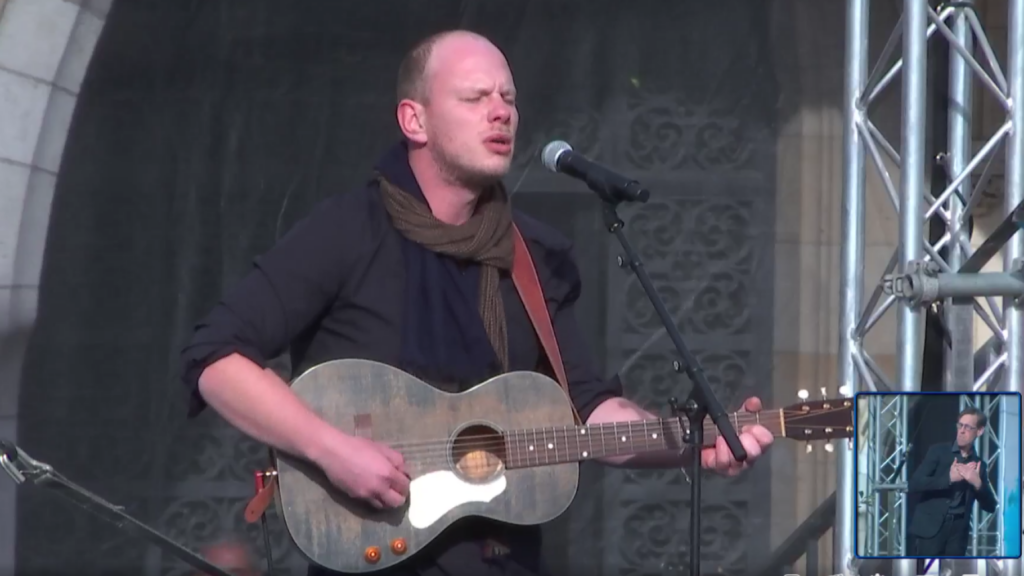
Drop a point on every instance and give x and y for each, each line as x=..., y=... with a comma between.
x=966, y=452
x=450, y=203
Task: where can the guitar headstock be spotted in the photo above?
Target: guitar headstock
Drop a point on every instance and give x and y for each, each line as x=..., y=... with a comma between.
x=826, y=419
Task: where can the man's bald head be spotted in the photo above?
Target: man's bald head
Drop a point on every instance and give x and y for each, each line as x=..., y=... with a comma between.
x=457, y=108
x=414, y=70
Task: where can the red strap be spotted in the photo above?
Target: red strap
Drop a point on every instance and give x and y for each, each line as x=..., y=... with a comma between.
x=524, y=276
x=264, y=495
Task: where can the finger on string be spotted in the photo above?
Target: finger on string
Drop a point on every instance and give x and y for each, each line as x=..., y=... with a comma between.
x=723, y=457
x=752, y=404
x=708, y=458
x=751, y=445
x=761, y=434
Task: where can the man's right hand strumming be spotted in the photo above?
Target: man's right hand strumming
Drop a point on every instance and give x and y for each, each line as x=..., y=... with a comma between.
x=366, y=470
x=260, y=404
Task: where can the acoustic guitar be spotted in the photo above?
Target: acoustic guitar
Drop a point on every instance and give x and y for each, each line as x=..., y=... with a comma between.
x=508, y=449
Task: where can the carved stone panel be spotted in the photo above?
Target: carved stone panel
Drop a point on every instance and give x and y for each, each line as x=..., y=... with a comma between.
x=703, y=255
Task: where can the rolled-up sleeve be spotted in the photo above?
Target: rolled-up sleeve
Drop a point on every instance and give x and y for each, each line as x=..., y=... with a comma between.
x=287, y=289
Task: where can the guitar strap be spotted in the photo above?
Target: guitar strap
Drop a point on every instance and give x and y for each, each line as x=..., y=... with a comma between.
x=524, y=276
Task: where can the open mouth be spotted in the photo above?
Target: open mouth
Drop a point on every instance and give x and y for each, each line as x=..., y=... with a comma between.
x=499, y=143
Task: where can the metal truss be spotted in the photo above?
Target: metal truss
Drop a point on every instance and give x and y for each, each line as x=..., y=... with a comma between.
x=987, y=533
x=884, y=495
x=919, y=276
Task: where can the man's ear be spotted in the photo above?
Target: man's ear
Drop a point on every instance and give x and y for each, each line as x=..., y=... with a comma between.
x=412, y=121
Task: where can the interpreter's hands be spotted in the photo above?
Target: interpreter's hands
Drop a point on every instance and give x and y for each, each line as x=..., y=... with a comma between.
x=754, y=438
x=970, y=473
x=954, y=473
x=368, y=471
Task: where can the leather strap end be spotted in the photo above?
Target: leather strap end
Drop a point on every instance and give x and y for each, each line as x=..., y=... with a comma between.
x=261, y=501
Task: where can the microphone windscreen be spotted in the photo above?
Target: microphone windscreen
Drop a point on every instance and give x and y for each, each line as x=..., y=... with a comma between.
x=549, y=155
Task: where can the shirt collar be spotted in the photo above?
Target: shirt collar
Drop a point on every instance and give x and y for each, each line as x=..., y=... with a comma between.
x=955, y=449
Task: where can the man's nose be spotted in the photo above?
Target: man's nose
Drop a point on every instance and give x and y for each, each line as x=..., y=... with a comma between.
x=501, y=112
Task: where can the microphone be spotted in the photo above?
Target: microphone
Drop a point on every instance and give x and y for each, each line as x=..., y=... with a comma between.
x=558, y=156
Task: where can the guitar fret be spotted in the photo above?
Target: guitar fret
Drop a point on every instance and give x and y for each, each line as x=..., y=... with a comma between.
x=570, y=456
x=532, y=447
x=539, y=443
x=520, y=442
x=547, y=445
x=508, y=448
x=557, y=444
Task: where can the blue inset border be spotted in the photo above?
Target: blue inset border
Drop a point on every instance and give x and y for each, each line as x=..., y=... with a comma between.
x=856, y=472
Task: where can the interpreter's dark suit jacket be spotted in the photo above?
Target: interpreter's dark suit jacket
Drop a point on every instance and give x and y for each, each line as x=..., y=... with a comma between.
x=931, y=481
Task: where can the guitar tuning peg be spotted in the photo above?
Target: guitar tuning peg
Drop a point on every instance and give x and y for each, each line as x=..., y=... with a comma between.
x=824, y=394
x=844, y=390
x=829, y=447
x=802, y=394
x=810, y=448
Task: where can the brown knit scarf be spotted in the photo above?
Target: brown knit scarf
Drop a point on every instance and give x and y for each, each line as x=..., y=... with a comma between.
x=485, y=238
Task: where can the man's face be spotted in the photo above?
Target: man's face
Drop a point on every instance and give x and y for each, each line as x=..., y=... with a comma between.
x=967, y=430
x=470, y=112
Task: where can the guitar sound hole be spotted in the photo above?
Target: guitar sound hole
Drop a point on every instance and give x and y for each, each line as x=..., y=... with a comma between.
x=478, y=453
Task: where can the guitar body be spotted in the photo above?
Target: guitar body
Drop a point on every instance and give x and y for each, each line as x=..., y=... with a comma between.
x=453, y=453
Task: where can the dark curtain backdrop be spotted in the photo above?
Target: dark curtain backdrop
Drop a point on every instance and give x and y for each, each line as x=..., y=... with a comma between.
x=206, y=128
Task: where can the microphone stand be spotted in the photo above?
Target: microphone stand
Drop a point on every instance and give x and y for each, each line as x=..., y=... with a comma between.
x=701, y=401
x=23, y=469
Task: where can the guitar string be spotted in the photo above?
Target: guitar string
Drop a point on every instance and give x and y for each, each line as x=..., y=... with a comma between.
x=629, y=428
x=521, y=443
x=518, y=446
x=521, y=458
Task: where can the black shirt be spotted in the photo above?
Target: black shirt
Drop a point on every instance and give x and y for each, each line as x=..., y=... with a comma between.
x=959, y=495
x=334, y=288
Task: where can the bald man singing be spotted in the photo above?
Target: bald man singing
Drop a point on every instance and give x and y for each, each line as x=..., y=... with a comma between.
x=414, y=271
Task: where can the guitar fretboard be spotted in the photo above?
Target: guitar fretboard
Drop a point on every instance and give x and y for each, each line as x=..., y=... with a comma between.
x=560, y=445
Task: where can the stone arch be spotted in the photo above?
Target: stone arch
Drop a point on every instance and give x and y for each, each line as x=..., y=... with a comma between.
x=45, y=50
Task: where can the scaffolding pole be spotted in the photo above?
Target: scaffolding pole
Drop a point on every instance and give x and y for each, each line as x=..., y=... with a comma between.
x=958, y=369
x=917, y=275
x=1013, y=255
x=885, y=492
x=852, y=263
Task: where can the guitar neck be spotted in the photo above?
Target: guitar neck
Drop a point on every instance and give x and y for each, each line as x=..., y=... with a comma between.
x=564, y=444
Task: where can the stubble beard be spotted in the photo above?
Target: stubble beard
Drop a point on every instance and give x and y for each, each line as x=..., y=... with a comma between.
x=458, y=173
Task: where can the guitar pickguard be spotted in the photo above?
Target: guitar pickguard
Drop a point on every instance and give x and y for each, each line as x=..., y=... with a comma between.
x=433, y=495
